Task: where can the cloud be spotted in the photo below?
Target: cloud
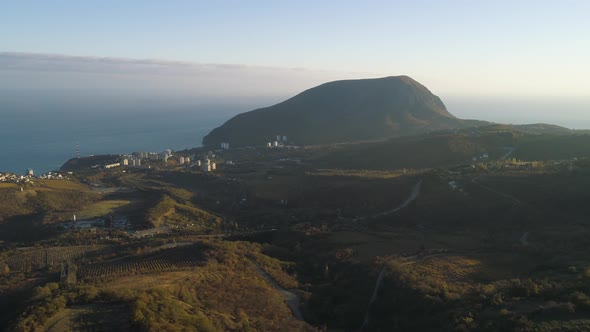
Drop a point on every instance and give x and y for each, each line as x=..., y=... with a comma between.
x=54, y=71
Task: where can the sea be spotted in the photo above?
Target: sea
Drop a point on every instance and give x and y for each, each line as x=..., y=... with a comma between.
x=40, y=130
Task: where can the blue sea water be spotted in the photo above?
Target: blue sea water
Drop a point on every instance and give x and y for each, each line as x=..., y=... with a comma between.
x=41, y=130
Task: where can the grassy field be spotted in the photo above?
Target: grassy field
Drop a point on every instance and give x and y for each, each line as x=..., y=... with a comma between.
x=102, y=208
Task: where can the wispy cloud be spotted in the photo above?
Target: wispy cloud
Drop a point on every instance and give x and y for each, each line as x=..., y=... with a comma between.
x=53, y=71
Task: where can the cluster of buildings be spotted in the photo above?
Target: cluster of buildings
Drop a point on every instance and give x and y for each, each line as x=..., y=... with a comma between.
x=184, y=160
x=53, y=176
x=137, y=159
x=10, y=177
x=164, y=155
x=133, y=162
x=280, y=141
x=29, y=175
x=207, y=165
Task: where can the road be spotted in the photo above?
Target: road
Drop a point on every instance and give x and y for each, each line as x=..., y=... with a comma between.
x=524, y=239
x=413, y=196
x=509, y=151
x=373, y=298
x=290, y=298
x=514, y=200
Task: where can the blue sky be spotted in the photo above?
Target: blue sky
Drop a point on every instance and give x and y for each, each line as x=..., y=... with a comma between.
x=454, y=47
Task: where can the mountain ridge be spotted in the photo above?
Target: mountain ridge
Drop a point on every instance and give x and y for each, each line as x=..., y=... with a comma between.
x=345, y=110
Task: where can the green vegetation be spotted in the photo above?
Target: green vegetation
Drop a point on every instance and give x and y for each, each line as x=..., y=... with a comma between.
x=343, y=111
x=168, y=212
x=102, y=208
x=225, y=293
x=496, y=244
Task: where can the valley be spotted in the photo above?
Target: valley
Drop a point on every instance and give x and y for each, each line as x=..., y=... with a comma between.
x=491, y=243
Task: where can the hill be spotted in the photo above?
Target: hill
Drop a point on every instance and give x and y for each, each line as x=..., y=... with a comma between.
x=343, y=111
x=422, y=151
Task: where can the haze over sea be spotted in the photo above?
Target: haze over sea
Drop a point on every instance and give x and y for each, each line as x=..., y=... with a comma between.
x=40, y=129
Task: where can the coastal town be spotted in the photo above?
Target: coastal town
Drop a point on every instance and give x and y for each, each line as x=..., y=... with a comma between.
x=30, y=176
x=204, y=161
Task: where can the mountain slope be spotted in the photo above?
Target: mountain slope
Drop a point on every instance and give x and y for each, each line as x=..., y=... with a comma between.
x=342, y=111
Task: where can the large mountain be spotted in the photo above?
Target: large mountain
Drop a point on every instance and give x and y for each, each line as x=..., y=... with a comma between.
x=342, y=111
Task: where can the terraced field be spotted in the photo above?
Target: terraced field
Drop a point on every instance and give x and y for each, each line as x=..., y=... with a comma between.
x=40, y=258
x=169, y=260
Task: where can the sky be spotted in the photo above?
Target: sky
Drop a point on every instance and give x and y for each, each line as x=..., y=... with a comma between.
x=456, y=48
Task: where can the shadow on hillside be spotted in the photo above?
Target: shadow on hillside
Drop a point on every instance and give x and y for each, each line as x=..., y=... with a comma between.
x=25, y=228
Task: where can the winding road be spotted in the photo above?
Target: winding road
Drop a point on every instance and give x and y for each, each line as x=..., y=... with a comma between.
x=290, y=298
x=413, y=196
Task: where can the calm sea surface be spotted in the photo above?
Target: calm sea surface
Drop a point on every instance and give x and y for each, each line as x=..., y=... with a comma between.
x=42, y=133
x=40, y=130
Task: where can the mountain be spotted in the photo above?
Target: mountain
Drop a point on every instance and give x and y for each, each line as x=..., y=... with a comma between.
x=342, y=111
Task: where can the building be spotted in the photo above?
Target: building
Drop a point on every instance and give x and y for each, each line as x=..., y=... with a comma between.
x=125, y=162
x=208, y=165
x=275, y=144
x=268, y=144
x=187, y=160
x=225, y=146
x=181, y=160
x=30, y=172
x=112, y=165
x=199, y=163
x=284, y=138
